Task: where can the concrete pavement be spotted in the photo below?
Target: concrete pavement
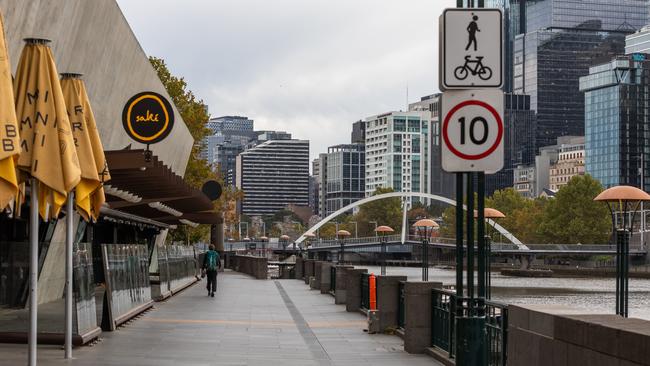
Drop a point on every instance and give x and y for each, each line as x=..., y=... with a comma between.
x=250, y=322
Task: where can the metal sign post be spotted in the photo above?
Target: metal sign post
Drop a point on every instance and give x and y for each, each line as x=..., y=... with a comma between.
x=472, y=134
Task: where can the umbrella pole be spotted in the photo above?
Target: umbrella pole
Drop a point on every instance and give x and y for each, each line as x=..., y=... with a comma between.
x=68, y=275
x=33, y=271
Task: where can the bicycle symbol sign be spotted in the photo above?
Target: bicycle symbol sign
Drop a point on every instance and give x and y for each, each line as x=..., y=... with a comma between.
x=472, y=52
x=472, y=131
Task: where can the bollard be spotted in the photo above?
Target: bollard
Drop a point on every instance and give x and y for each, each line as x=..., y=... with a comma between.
x=372, y=288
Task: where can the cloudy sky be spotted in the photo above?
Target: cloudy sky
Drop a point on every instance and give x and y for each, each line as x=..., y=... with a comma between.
x=309, y=67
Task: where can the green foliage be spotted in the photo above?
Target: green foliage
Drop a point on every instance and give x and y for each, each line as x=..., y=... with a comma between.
x=384, y=212
x=194, y=114
x=574, y=217
x=571, y=217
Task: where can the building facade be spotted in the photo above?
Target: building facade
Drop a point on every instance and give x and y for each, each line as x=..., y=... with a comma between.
x=230, y=134
x=617, y=121
x=358, y=135
x=558, y=41
x=570, y=163
x=442, y=183
x=273, y=175
x=345, y=182
x=524, y=178
x=398, y=152
x=638, y=42
x=314, y=189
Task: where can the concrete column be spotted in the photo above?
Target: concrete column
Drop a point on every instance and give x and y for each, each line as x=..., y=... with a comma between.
x=388, y=301
x=299, y=269
x=341, y=282
x=325, y=279
x=417, y=317
x=353, y=289
x=318, y=265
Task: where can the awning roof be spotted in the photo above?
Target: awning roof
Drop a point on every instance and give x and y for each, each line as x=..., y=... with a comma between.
x=153, y=182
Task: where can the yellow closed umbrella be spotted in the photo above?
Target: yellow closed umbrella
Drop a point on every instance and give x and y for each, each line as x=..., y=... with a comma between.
x=9, y=138
x=48, y=152
x=89, y=195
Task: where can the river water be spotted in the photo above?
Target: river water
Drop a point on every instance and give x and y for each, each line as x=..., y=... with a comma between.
x=593, y=295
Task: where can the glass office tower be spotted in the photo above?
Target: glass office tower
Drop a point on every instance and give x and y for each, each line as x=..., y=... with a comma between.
x=617, y=121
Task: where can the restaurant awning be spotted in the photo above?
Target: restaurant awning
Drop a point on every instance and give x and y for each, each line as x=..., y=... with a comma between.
x=148, y=188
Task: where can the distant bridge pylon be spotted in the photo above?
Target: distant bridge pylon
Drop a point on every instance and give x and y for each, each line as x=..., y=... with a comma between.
x=382, y=196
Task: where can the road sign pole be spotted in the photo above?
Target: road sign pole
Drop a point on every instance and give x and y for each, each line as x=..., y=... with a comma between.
x=459, y=234
x=480, y=228
x=470, y=235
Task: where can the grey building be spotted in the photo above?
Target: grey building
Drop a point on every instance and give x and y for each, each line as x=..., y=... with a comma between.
x=230, y=134
x=315, y=187
x=272, y=175
x=557, y=42
x=442, y=183
x=617, y=121
x=358, y=132
x=320, y=171
x=345, y=181
x=638, y=42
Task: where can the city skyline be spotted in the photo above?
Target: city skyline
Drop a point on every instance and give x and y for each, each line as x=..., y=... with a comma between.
x=330, y=74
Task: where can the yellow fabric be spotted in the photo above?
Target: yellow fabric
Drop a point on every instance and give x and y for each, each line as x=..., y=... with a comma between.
x=48, y=152
x=9, y=138
x=89, y=195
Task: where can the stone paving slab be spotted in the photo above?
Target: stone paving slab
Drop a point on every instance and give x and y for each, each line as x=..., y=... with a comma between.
x=249, y=323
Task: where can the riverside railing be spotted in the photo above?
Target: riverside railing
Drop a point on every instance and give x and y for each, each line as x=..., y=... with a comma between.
x=497, y=332
x=401, y=309
x=443, y=318
x=332, y=279
x=443, y=327
x=365, y=291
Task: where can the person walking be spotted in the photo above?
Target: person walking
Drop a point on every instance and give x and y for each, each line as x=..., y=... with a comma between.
x=211, y=263
x=472, y=28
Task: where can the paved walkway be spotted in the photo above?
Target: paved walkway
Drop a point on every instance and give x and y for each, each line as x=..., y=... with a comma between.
x=250, y=322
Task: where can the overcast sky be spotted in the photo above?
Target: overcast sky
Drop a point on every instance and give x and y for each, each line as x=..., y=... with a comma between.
x=308, y=67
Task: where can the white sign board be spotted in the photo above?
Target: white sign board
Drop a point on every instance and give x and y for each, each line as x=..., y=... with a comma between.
x=472, y=131
x=471, y=54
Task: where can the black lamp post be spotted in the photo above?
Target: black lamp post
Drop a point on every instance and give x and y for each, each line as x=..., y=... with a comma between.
x=340, y=236
x=425, y=228
x=485, y=265
x=623, y=203
x=384, y=231
x=284, y=239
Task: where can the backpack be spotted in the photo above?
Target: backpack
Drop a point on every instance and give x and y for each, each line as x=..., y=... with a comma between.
x=212, y=259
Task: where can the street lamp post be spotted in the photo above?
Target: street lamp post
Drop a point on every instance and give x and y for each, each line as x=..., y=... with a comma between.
x=340, y=236
x=622, y=201
x=374, y=222
x=309, y=237
x=384, y=231
x=425, y=229
x=356, y=229
x=485, y=265
x=285, y=240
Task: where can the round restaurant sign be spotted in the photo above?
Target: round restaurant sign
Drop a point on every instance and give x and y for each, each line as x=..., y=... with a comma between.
x=148, y=117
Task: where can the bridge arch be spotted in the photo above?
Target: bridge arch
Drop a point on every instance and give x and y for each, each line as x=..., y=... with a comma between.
x=382, y=196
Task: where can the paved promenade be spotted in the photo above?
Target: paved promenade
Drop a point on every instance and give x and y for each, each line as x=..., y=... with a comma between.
x=250, y=322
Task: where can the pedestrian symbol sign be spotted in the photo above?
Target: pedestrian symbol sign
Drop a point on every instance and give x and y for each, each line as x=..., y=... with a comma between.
x=472, y=131
x=472, y=49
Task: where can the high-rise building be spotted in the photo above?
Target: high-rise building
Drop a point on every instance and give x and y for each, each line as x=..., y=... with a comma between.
x=570, y=163
x=230, y=134
x=638, y=42
x=358, y=132
x=398, y=152
x=519, y=123
x=558, y=41
x=314, y=189
x=442, y=183
x=272, y=175
x=346, y=165
x=617, y=121
x=322, y=180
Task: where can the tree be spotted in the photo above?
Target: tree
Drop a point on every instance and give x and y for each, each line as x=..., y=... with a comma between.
x=574, y=217
x=384, y=212
x=198, y=171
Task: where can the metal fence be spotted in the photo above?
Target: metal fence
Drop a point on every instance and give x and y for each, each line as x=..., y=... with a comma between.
x=443, y=320
x=333, y=279
x=496, y=324
x=401, y=310
x=443, y=327
x=365, y=291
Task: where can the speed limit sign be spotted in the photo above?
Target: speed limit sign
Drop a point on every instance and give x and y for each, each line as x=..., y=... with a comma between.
x=472, y=131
